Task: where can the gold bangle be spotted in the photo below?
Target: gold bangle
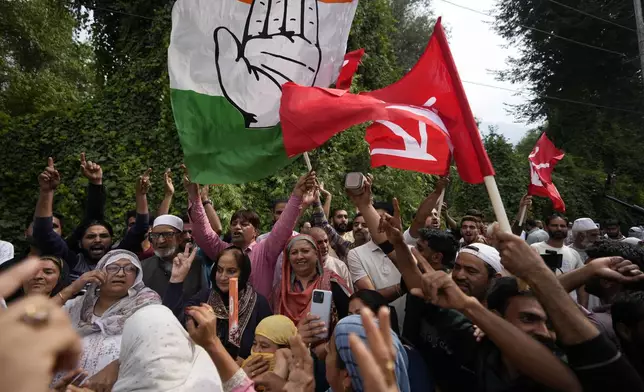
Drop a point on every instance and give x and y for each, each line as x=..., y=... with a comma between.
x=61, y=297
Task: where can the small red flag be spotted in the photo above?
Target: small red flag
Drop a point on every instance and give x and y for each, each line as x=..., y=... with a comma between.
x=543, y=159
x=348, y=69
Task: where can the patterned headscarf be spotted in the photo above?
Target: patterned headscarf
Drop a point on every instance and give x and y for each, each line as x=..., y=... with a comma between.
x=295, y=304
x=353, y=324
x=113, y=320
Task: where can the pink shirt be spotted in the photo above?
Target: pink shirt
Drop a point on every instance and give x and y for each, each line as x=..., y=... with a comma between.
x=263, y=256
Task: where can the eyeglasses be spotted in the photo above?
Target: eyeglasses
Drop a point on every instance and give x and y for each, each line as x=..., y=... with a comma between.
x=114, y=269
x=166, y=235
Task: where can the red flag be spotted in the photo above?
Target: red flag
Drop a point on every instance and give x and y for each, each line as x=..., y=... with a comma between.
x=433, y=88
x=543, y=159
x=434, y=82
x=312, y=115
x=349, y=68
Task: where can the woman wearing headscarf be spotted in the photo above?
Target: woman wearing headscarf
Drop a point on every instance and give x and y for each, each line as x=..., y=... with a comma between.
x=253, y=307
x=116, y=291
x=342, y=371
x=271, y=336
x=176, y=365
x=302, y=272
x=48, y=280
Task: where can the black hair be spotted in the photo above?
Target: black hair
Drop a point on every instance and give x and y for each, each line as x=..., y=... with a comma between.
x=185, y=218
x=502, y=290
x=611, y=222
x=608, y=248
x=371, y=298
x=531, y=223
x=243, y=263
x=441, y=242
x=95, y=222
x=470, y=218
x=335, y=210
x=474, y=212
x=151, y=220
x=276, y=202
x=249, y=216
x=130, y=214
x=374, y=301
x=628, y=309
x=553, y=217
x=358, y=215
x=384, y=205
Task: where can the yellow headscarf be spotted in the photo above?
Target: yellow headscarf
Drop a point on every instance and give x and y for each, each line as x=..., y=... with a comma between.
x=278, y=329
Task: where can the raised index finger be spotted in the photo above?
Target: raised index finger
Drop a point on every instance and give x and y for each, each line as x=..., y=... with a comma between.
x=82, y=159
x=258, y=18
x=50, y=162
x=310, y=20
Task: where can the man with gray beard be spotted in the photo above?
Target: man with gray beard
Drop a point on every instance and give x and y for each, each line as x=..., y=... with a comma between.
x=166, y=238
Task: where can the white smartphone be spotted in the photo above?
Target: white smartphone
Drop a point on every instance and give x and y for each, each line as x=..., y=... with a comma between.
x=321, y=307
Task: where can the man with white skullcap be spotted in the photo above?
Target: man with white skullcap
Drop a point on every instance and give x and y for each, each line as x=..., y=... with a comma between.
x=584, y=234
x=166, y=237
x=475, y=268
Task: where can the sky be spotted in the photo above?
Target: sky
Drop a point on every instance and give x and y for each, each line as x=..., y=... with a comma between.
x=478, y=51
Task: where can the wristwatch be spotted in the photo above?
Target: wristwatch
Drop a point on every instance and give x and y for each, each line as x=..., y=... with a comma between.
x=207, y=202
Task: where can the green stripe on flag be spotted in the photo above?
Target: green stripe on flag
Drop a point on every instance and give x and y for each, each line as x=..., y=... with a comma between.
x=217, y=147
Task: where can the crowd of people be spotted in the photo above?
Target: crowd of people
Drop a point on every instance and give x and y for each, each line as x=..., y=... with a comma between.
x=432, y=305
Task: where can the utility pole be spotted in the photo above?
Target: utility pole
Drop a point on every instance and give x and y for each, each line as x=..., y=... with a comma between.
x=639, y=19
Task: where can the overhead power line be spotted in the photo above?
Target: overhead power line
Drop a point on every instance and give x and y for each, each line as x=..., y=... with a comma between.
x=540, y=31
x=590, y=104
x=591, y=15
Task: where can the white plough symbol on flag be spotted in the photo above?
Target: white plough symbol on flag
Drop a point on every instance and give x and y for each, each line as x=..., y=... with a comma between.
x=279, y=45
x=534, y=176
x=413, y=148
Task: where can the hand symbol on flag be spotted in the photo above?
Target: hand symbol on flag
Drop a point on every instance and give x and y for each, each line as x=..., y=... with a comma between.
x=279, y=45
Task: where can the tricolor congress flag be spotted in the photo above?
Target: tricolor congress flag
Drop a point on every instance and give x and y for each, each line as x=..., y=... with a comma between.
x=227, y=61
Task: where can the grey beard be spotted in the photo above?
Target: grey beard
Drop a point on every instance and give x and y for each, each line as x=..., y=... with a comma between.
x=166, y=253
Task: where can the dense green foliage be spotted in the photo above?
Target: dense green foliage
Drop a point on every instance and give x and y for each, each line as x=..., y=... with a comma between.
x=110, y=98
x=597, y=137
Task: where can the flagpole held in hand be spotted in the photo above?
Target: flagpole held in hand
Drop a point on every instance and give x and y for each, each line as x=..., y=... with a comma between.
x=497, y=203
x=307, y=161
x=524, y=210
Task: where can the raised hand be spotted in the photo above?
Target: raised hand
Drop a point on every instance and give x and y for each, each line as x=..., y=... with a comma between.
x=323, y=191
x=617, y=269
x=191, y=187
x=392, y=225
x=168, y=186
x=375, y=364
x=90, y=170
x=204, y=192
x=516, y=255
x=143, y=183
x=310, y=327
x=526, y=200
x=202, y=325
x=441, y=184
x=306, y=183
x=49, y=179
x=439, y=288
x=300, y=367
x=14, y=277
x=97, y=277
x=181, y=264
x=278, y=45
x=365, y=197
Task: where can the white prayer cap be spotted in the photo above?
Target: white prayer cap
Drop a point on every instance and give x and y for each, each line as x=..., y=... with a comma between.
x=583, y=224
x=636, y=232
x=486, y=253
x=632, y=240
x=169, y=220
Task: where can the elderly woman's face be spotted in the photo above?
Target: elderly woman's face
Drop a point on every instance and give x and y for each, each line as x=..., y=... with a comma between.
x=44, y=281
x=121, y=275
x=337, y=378
x=226, y=268
x=303, y=258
